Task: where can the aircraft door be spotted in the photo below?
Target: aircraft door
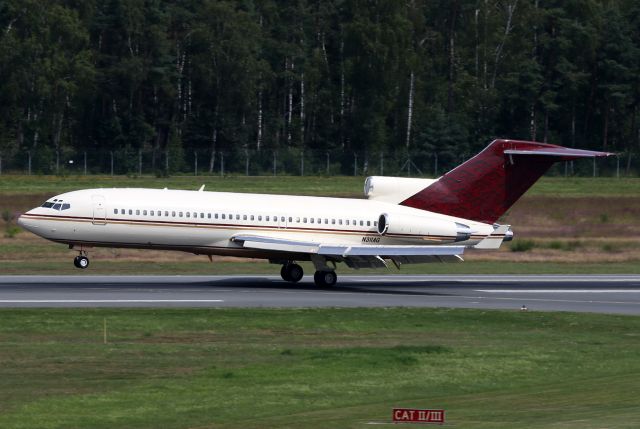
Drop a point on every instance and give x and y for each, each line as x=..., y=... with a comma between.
x=99, y=210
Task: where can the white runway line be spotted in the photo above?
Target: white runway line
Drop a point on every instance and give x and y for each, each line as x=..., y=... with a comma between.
x=100, y=301
x=558, y=290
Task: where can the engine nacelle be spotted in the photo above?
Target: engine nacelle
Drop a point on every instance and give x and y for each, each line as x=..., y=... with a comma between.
x=393, y=189
x=425, y=228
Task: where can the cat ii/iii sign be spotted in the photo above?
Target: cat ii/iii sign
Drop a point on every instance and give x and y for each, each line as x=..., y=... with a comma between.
x=410, y=415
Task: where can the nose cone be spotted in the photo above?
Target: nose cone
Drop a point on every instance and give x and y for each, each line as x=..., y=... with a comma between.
x=26, y=222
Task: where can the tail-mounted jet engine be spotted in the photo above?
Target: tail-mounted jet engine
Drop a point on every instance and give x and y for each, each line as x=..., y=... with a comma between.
x=423, y=228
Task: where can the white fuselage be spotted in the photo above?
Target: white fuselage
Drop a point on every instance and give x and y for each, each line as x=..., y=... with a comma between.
x=205, y=222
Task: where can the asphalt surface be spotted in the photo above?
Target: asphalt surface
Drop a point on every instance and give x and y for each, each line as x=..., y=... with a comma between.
x=594, y=293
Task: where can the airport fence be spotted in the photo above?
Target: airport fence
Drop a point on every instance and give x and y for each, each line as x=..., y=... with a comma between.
x=276, y=162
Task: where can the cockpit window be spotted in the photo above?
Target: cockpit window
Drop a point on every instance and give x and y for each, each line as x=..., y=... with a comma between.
x=56, y=205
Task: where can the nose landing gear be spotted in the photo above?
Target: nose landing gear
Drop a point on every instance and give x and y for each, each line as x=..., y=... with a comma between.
x=81, y=261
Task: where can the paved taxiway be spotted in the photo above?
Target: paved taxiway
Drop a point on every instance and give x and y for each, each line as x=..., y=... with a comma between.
x=601, y=294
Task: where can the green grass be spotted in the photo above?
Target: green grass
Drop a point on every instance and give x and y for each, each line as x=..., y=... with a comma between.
x=65, y=267
x=316, y=368
x=309, y=185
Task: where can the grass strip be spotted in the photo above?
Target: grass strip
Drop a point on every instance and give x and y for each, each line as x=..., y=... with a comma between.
x=179, y=368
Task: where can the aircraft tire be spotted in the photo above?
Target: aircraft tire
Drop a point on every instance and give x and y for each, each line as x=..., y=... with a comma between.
x=294, y=272
x=284, y=273
x=325, y=278
x=83, y=262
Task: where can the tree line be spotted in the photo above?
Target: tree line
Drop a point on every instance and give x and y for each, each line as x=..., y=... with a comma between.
x=344, y=76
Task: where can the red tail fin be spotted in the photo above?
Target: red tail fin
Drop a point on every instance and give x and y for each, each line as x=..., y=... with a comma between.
x=484, y=187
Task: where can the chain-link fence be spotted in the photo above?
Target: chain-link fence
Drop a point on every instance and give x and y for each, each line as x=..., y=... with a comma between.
x=275, y=162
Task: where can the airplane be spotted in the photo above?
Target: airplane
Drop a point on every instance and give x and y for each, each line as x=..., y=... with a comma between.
x=401, y=221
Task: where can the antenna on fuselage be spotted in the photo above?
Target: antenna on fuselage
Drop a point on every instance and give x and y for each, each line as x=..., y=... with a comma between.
x=201, y=188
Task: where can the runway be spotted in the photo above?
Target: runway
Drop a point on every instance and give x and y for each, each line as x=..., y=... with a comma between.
x=619, y=294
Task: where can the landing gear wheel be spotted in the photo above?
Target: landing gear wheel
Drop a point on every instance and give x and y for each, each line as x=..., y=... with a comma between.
x=292, y=273
x=81, y=262
x=284, y=273
x=325, y=278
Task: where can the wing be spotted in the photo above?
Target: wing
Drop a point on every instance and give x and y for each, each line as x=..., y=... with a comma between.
x=355, y=256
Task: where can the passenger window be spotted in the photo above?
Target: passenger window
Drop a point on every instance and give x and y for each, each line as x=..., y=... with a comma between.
x=121, y=211
x=223, y=216
x=188, y=214
x=180, y=214
x=347, y=222
x=252, y=217
x=202, y=215
x=326, y=221
x=195, y=215
x=312, y=220
x=319, y=220
x=244, y=217
x=375, y=223
x=304, y=220
x=115, y=211
x=144, y=212
x=368, y=223
x=216, y=215
x=208, y=215
x=152, y=213
x=267, y=218
x=361, y=223
x=281, y=218
x=137, y=212
x=173, y=214
x=130, y=211
x=260, y=217
x=298, y=219
x=340, y=221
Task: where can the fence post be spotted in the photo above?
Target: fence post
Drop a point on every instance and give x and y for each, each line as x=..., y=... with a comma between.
x=275, y=161
x=111, y=153
x=85, y=163
x=328, y=162
x=29, y=164
x=195, y=163
x=57, y=161
x=355, y=164
x=618, y=166
x=221, y=164
x=302, y=163
x=166, y=162
x=246, y=162
x=381, y=163
x=435, y=165
x=139, y=162
x=594, y=166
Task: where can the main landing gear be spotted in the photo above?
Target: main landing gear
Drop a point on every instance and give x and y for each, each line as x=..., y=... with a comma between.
x=323, y=277
x=81, y=261
x=291, y=272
